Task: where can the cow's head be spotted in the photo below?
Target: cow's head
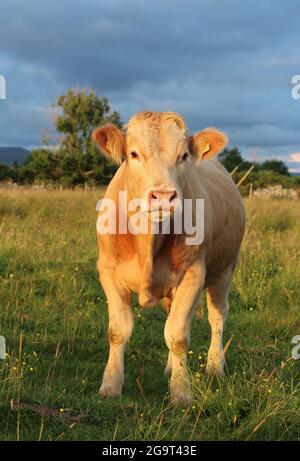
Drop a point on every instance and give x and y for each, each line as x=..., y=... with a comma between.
x=157, y=150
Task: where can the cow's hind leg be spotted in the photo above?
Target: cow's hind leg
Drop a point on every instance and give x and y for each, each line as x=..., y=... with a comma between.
x=119, y=332
x=168, y=369
x=217, y=304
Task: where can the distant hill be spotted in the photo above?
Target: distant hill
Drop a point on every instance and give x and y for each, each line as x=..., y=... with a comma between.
x=9, y=155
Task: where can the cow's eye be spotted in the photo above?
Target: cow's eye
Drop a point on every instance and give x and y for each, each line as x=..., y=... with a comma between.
x=185, y=156
x=134, y=154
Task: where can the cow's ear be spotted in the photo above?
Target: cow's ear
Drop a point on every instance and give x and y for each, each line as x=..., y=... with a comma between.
x=207, y=143
x=111, y=142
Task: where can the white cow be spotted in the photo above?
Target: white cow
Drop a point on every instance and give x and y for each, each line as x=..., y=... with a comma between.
x=162, y=164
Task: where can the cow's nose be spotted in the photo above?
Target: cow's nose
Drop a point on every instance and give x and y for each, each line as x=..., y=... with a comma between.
x=158, y=195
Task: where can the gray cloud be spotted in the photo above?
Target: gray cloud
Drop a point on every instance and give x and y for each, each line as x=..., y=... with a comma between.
x=227, y=64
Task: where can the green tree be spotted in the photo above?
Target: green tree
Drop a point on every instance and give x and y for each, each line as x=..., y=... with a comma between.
x=81, y=113
x=4, y=172
x=45, y=163
x=275, y=165
x=25, y=174
x=232, y=158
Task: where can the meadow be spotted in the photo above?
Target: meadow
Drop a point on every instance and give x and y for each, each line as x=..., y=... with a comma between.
x=53, y=314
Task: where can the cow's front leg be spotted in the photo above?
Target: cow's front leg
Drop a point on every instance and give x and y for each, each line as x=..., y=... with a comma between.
x=119, y=332
x=177, y=332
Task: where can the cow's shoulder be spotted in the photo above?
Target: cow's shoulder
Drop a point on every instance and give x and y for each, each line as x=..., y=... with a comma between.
x=119, y=246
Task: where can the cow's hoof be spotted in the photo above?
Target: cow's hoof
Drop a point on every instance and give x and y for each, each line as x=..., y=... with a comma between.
x=215, y=364
x=181, y=394
x=109, y=391
x=181, y=399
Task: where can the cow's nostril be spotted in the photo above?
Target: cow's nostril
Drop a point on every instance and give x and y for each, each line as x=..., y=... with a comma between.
x=160, y=196
x=173, y=196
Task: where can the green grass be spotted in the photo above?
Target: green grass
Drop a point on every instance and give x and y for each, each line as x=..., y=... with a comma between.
x=52, y=302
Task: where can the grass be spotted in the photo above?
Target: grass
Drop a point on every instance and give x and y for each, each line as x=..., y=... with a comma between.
x=53, y=315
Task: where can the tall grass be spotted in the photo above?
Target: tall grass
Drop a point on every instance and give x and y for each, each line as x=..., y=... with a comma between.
x=53, y=315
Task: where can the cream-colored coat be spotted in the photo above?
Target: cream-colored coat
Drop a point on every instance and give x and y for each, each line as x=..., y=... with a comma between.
x=159, y=154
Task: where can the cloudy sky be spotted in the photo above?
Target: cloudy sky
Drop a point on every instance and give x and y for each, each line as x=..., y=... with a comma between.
x=223, y=63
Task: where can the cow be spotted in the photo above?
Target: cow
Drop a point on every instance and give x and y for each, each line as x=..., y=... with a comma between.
x=161, y=163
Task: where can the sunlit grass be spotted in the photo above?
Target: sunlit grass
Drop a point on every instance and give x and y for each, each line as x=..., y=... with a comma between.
x=53, y=315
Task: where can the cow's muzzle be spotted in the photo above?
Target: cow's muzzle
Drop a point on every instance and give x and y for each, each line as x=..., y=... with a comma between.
x=164, y=200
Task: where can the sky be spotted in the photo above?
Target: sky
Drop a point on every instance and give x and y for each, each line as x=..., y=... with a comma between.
x=222, y=63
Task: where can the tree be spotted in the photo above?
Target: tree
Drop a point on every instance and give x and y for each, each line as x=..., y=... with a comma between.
x=232, y=158
x=275, y=165
x=25, y=174
x=4, y=172
x=81, y=113
x=45, y=163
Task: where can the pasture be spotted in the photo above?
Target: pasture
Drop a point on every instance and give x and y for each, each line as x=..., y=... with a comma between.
x=53, y=316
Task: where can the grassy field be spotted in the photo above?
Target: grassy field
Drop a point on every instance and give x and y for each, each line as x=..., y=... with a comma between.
x=53, y=315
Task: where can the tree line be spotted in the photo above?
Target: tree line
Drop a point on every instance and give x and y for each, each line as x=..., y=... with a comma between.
x=74, y=160
x=264, y=174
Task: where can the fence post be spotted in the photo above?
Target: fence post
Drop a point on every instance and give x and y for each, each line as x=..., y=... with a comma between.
x=251, y=190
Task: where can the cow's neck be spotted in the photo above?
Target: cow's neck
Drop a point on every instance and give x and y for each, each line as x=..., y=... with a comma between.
x=146, y=247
